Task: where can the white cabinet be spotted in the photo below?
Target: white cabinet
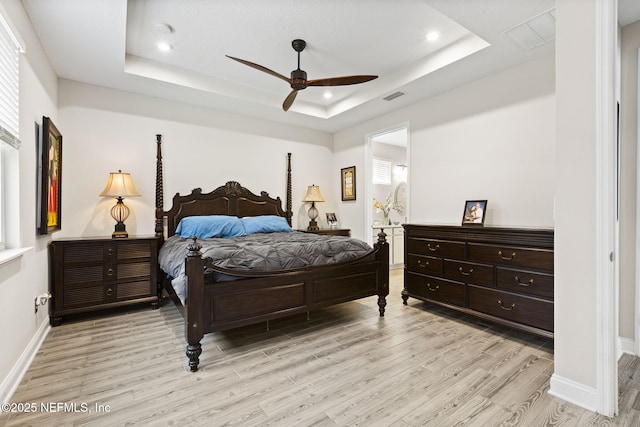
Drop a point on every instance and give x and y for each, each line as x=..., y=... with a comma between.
x=395, y=238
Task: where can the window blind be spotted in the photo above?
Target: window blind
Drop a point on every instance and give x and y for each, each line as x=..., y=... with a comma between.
x=381, y=172
x=9, y=85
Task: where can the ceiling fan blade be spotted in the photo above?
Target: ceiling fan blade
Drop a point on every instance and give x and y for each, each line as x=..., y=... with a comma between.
x=261, y=68
x=341, y=81
x=289, y=100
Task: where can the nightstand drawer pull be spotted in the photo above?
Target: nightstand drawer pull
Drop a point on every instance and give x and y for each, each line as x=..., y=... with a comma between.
x=511, y=307
x=465, y=273
x=507, y=258
x=422, y=263
x=109, y=292
x=529, y=283
x=432, y=289
x=110, y=272
x=433, y=249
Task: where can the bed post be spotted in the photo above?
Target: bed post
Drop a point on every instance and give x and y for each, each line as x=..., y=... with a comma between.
x=382, y=256
x=159, y=193
x=289, y=204
x=194, y=320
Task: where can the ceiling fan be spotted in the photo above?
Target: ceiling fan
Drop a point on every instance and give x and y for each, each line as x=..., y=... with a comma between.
x=298, y=80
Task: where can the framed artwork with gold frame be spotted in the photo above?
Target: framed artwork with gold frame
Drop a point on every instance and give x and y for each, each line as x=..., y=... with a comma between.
x=50, y=178
x=348, y=179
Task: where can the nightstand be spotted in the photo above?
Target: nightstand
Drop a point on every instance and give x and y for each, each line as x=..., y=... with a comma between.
x=90, y=274
x=331, y=231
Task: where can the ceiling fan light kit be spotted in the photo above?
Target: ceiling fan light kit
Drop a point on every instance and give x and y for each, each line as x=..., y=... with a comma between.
x=298, y=80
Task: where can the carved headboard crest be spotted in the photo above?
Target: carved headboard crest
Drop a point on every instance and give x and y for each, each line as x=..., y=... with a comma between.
x=233, y=188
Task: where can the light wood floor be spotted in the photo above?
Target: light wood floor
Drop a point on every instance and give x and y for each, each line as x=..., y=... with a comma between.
x=419, y=365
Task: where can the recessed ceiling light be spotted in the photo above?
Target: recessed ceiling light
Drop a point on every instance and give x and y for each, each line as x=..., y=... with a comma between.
x=433, y=36
x=164, y=46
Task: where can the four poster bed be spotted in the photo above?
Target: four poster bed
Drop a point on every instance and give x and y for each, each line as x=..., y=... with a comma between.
x=225, y=291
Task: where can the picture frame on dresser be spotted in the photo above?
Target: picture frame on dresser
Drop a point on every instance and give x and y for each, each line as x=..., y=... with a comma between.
x=474, y=212
x=49, y=178
x=348, y=179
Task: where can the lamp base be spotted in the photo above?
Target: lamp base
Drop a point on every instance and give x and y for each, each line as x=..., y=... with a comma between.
x=120, y=231
x=313, y=226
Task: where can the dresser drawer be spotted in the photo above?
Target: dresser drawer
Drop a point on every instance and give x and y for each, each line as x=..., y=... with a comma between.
x=435, y=289
x=518, y=308
x=532, y=283
x=424, y=264
x=510, y=255
x=469, y=272
x=437, y=248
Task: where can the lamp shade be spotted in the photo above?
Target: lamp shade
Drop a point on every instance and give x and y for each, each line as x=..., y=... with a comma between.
x=313, y=194
x=120, y=185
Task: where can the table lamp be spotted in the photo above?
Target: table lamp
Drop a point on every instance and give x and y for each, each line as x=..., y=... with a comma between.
x=120, y=186
x=313, y=195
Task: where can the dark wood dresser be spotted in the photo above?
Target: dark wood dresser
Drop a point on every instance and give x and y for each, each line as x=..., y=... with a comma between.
x=89, y=274
x=501, y=274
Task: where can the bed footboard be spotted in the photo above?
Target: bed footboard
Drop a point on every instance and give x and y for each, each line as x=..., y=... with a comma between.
x=212, y=307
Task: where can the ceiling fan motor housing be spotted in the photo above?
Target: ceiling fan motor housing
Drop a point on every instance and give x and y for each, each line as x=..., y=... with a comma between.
x=298, y=79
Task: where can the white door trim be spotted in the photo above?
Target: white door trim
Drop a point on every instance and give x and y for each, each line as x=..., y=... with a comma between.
x=606, y=286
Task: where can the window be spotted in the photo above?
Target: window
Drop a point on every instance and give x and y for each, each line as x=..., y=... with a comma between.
x=381, y=172
x=9, y=113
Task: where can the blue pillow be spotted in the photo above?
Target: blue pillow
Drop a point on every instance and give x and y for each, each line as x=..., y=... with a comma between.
x=265, y=224
x=210, y=226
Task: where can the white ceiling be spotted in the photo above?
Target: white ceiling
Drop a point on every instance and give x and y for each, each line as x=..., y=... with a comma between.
x=112, y=43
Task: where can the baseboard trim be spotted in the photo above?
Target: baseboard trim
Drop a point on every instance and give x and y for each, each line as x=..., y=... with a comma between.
x=628, y=346
x=574, y=392
x=11, y=382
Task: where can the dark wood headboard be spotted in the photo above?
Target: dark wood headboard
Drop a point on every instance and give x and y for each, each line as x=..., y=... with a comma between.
x=229, y=199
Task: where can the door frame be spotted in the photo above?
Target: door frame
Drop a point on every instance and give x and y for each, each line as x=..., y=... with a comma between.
x=368, y=172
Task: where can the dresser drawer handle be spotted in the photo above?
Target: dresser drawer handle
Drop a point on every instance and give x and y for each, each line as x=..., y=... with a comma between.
x=422, y=263
x=511, y=307
x=431, y=288
x=433, y=249
x=529, y=283
x=110, y=251
x=465, y=273
x=507, y=258
x=110, y=272
x=109, y=292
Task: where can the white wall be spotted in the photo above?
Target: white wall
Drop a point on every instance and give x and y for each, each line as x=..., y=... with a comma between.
x=22, y=279
x=493, y=139
x=106, y=130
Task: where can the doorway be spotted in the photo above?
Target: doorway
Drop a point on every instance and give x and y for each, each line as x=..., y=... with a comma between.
x=387, y=187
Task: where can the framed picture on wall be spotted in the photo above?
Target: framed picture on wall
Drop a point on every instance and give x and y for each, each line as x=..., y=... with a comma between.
x=50, y=178
x=474, y=212
x=348, y=176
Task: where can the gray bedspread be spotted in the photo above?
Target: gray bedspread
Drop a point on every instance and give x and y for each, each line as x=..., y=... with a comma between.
x=260, y=252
